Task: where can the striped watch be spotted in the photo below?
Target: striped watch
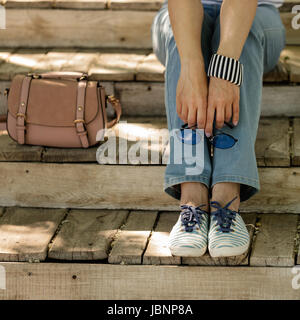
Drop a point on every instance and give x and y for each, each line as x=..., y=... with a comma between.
x=226, y=68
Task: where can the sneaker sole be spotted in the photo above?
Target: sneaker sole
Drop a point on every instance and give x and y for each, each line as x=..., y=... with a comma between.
x=187, y=252
x=228, y=252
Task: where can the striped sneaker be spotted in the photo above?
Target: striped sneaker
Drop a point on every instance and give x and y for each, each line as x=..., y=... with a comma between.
x=228, y=235
x=188, y=237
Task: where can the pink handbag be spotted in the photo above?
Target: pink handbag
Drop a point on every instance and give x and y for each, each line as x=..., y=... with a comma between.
x=58, y=109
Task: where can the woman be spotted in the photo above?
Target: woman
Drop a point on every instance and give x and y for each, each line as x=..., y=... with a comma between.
x=215, y=54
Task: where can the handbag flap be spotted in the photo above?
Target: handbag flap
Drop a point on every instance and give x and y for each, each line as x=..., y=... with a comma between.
x=52, y=102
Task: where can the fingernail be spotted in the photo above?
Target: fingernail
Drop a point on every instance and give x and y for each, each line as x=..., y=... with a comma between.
x=235, y=123
x=207, y=134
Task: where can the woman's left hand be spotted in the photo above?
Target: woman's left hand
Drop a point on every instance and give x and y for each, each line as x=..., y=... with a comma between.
x=223, y=100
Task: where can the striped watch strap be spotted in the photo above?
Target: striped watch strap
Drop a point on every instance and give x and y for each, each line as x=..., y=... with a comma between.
x=226, y=68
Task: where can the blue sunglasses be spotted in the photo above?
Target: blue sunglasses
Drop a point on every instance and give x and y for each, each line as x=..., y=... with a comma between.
x=221, y=140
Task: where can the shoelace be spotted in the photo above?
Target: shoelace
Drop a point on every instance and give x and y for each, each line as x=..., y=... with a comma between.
x=191, y=215
x=223, y=216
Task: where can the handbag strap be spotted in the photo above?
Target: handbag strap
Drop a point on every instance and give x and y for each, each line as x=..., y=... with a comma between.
x=21, y=115
x=117, y=107
x=79, y=121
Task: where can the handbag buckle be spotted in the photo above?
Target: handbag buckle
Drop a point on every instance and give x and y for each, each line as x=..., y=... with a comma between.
x=21, y=115
x=79, y=121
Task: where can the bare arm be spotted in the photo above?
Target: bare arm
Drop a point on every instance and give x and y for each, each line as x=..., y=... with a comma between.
x=236, y=18
x=186, y=18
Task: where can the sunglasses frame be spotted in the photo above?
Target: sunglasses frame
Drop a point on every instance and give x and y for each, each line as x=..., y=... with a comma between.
x=210, y=139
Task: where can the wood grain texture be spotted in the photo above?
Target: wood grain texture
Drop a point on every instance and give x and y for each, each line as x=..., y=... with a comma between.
x=56, y=28
x=157, y=251
x=75, y=281
x=275, y=241
x=207, y=260
x=292, y=35
x=12, y=151
x=26, y=232
x=141, y=98
x=136, y=187
x=296, y=143
x=86, y=234
x=147, y=99
x=291, y=56
x=142, y=5
x=131, y=241
x=150, y=69
x=115, y=66
x=273, y=143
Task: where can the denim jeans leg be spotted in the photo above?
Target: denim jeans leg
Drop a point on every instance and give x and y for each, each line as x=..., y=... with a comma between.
x=166, y=50
x=238, y=164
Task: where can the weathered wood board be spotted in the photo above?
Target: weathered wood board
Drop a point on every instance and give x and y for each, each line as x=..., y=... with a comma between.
x=11, y=151
x=291, y=56
x=147, y=99
x=157, y=251
x=115, y=66
x=273, y=143
x=206, y=259
x=275, y=241
x=75, y=281
x=56, y=28
x=136, y=187
x=135, y=4
x=86, y=234
x=131, y=241
x=26, y=232
x=296, y=143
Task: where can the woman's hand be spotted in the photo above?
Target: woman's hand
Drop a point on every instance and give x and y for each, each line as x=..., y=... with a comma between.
x=223, y=100
x=191, y=94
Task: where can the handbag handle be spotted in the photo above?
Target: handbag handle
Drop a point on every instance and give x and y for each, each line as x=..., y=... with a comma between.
x=59, y=74
x=117, y=107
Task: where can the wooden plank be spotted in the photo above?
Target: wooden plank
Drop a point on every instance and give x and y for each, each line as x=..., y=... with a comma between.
x=292, y=35
x=207, y=260
x=69, y=155
x=74, y=281
x=3, y=98
x=296, y=143
x=130, y=243
x=275, y=241
x=80, y=4
x=45, y=4
x=157, y=251
x=12, y=151
x=136, y=187
x=150, y=69
x=147, y=99
x=141, y=99
x=272, y=143
x=291, y=56
x=115, y=66
x=279, y=74
x=26, y=232
x=86, y=235
x=56, y=28
x=142, y=5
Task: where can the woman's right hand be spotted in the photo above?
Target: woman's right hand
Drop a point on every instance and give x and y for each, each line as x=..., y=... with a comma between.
x=191, y=94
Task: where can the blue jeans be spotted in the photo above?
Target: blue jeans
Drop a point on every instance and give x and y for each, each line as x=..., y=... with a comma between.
x=260, y=54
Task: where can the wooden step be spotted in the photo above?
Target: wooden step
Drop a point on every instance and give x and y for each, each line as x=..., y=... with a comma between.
x=23, y=166
x=88, y=281
x=273, y=144
x=126, y=249
x=135, y=237
x=93, y=23
x=138, y=78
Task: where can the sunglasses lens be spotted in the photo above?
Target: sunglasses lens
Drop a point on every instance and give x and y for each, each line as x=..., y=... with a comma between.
x=189, y=136
x=223, y=141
